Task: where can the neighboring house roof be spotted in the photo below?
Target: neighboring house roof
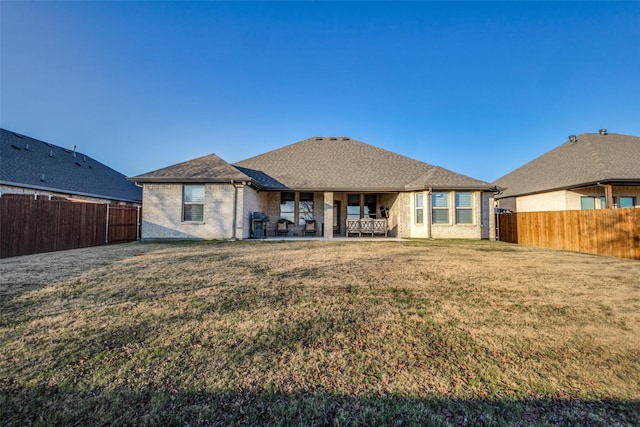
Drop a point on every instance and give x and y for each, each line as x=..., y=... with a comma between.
x=590, y=159
x=209, y=168
x=343, y=164
x=30, y=163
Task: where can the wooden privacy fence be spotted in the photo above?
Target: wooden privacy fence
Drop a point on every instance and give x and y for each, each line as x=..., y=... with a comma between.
x=29, y=226
x=609, y=232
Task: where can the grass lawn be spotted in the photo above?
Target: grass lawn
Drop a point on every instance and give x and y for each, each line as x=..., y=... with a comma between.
x=319, y=333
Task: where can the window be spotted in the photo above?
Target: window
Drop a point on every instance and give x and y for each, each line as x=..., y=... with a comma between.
x=587, y=202
x=419, y=208
x=353, y=206
x=305, y=208
x=288, y=206
x=193, y=203
x=369, y=206
x=626, y=202
x=440, y=208
x=464, y=208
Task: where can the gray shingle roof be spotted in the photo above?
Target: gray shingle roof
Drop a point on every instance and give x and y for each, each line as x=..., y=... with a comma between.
x=31, y=163
x=592, y=158
x=209, y=168
x=344, y=164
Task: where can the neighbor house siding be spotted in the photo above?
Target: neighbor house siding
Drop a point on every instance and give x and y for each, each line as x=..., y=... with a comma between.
x=10, y=189
x=563, y=200
x=162, y=213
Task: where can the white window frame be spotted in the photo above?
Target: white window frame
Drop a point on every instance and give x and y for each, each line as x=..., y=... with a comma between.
x=419, y=201
x=189, y=201
x=434, y=208
x=460, y=209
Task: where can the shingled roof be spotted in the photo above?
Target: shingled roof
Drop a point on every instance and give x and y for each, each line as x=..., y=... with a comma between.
x=589, y=159
x=209, y=168
x=31, y=163
x=345, y=164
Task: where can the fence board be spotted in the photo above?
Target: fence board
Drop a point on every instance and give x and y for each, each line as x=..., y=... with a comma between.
x=609, y=232
x=29, y=225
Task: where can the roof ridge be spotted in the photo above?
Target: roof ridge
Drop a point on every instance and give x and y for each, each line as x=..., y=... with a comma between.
x=598, y=161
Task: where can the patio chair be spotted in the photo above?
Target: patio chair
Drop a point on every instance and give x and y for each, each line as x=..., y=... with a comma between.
x=309, y=227
x=282, y=227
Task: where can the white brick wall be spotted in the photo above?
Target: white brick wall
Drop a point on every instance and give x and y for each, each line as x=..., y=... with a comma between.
x=162, y=212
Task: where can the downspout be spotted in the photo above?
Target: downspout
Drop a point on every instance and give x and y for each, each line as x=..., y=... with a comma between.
x=429, y=215
x=235, y=210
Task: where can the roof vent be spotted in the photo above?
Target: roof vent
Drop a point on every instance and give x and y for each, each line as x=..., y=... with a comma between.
x=334, y=139
x=319, y=138
x=345, y=139
x=15, y=146
x=26, y=147
x=50, y=153
x=42, y=177
x=573, y=138
x=603, y=132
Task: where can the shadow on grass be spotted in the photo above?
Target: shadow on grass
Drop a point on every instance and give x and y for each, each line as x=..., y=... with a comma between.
x=44, y=405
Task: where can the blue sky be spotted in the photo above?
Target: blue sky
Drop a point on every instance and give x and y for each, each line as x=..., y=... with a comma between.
x=479, y=88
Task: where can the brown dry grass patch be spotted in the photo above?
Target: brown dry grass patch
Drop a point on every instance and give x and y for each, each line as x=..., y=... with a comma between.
x=317, y=332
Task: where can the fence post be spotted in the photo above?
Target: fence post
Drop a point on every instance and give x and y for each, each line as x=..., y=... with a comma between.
x=137, y=223
x=106, y=234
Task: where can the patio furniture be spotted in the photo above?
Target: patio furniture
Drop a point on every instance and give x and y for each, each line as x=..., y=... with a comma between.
x=367, y=226
x=353, y=227
x=282, y=227
x=309, y=227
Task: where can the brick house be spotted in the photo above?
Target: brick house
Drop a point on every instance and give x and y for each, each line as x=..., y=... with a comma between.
x=325, y=179
x=589, y=171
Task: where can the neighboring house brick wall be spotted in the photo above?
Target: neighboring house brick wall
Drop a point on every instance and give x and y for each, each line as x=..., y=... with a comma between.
x=9, y=189
x=552, y=201
x=564, y=199
x=162, y=212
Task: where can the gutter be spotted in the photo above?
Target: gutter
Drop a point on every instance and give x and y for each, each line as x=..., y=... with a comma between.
x=70, y=192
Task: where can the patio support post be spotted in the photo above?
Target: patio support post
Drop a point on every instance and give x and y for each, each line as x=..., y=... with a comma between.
x=328, y=215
